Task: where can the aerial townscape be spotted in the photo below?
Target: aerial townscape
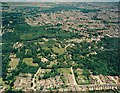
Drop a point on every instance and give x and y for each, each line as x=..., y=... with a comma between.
x=60, y=47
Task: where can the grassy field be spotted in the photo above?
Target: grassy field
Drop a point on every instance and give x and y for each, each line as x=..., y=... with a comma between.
x=0, y=81
x=65, y=72
x=45, y=48
x=33, y=24
x=14, y=62
x=83, y=80
x=39, y=42
x=29, y=61
x=39, y=55
x=112, y=24
x=79, y=72
x=58, y=50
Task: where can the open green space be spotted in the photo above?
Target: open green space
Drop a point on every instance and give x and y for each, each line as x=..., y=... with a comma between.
x=39, y=55
x=29, y=61
x=33, y=24
x=112, y=24
x=14, y=63
x=45, y=48
x=81, y=79
x=65, y=72
x=39, y=42
x=58, y=50
x=0, y=81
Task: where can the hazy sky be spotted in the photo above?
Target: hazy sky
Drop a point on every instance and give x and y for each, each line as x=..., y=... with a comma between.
x=59, y=0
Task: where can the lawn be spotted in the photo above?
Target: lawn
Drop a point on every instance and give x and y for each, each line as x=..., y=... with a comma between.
x=39, y=55
x=80, y=72
x=14, y=62
x=83, y=79
x=45, y=47
x=33, y=25
x=29, y=61
x=65, y=72
x=0, y=81
x=112, y=24
x=58, y=50
x=39, y=42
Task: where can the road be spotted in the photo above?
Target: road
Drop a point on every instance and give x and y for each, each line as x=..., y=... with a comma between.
x=73, y=77
x=99, y=87
x=66, y=47
x=34, y=78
